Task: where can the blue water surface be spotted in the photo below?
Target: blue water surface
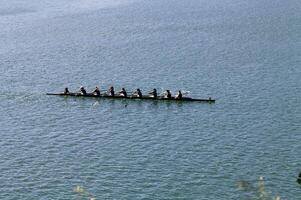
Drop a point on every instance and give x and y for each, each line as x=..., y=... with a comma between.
x=245, y=54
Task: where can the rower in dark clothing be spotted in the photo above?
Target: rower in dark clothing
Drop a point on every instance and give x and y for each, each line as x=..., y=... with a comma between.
x=138, y=93
x=82, y=90
x=111, y=91
x=123, y=92
x=168, y=94
x=96, y=91
x=154, y=93
x=66, y=91
x=179, y=95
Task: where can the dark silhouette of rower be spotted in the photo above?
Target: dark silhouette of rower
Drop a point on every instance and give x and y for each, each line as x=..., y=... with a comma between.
x=111, y=91
x=168, y=94
x=299, y=178
x=82, y=90
x=123, y=92
x=66, y=91
x=179, y=95
x=154, y=93
x=138, y=93
x=96, y=91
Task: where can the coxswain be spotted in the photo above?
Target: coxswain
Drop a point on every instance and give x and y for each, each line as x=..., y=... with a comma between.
x=138, y=93
x=154, y=93
x=66, y=91
x=123, y=92
x=82, y=90
x=111, y=91
x=168, y=94
x=179, y=95
x=96, y=91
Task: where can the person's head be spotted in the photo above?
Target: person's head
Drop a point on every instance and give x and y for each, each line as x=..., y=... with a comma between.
x=66, y=89
x=155, y=89
x=96, y=88
x=138, y=89
x=167, y=91
x=179, y=91
x=122, y=89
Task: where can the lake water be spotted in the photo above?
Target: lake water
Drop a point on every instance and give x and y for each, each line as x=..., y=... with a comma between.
x=246, y=54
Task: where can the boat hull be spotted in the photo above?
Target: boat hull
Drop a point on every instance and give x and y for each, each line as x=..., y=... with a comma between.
x=132, y=97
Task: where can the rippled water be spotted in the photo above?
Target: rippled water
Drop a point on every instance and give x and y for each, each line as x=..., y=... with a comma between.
x=245, y=54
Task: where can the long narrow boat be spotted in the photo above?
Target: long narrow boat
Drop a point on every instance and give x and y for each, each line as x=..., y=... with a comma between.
x=104, y=96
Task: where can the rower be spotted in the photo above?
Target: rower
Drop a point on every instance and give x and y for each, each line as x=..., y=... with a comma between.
x=154, y=93
x=82, y=90
x=96, y=91
x=179, y=95
x=138, y=93
x=123, y=92
x=168, y=94
x=66, y=91
x=111, y=91
x=299, y=178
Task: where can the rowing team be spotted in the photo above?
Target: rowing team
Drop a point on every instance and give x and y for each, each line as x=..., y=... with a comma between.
x=137, y=93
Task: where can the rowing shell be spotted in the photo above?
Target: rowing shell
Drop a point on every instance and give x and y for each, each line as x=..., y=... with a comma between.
x=133, y=97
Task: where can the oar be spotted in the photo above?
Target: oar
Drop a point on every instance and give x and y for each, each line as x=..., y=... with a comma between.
x=184, y=93
x=105, y=91
x=132, y=93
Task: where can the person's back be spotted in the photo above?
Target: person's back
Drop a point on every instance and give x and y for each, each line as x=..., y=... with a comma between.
x=82, y=90
x=96, y=91
x=66, y=91
x=154, y=93
x=179, y=95
x=111, y=91
x=123, y=92
x=168, y=94
x=139, y=93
